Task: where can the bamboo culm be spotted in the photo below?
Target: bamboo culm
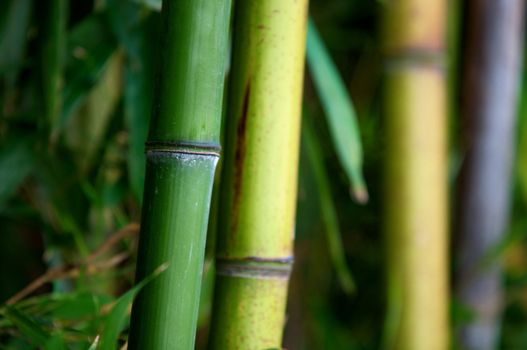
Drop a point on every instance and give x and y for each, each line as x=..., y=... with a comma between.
x=259, y=182
x=415, y=222
x=52, y=65
x=490, y=90
x=182, y=151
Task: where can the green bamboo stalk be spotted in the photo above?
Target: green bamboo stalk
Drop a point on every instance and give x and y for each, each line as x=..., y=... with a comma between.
x=52, y=57
x=416, y=175
x=182, y=152
x=259, y=183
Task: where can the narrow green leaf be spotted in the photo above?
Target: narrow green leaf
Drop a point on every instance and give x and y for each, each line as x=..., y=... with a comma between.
x=89, y=48
x=95, y=344
x=329, y=212
x=85, y=133
x=152, y=4
x=514, y=235
x=52, y=55
x=339, y=112
x=521, y=145
x=76, y=306
x=70, y=225
x=30, y=329
x=14, y=21
x=17, y=159
x=56, y=342
x=138, y=105
x=137, y=32
x=117, y=318
x=64, y=306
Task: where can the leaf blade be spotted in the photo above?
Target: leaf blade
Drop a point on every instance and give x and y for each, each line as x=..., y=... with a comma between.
x=339, y=112
x=117, y=317
x=328, y=209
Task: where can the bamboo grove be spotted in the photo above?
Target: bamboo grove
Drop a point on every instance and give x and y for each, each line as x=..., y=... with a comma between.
x=248, y=174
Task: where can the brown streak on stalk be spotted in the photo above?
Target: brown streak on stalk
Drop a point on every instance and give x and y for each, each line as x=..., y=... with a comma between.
x=239, y=158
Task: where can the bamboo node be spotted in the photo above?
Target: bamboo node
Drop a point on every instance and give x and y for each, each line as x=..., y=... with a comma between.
x=182, y=147
x=255, y=268
x=414, y=58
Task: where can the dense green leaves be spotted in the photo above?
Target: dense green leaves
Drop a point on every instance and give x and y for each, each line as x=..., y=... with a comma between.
x=64, y=198
x=33, y=331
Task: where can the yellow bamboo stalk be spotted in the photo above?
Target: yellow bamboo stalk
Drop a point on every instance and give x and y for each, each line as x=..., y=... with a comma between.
x=259, y=183
x=416, y=184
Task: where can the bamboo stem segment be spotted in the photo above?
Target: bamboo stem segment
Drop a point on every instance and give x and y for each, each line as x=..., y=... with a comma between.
x=259, y=183
x=416, y=183
x=181, y=153
x=491, y=81
x=53, y=50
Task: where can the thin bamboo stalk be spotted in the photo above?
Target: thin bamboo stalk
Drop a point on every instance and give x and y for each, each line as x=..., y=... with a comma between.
x=255, y=242
x=52, y=53
x=416, y=183
x=492, y=71
x=182, y=152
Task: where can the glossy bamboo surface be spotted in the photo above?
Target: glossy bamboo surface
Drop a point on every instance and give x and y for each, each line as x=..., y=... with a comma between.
x=182, y=152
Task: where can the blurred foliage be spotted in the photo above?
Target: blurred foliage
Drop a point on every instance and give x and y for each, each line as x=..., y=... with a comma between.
x=69, y=190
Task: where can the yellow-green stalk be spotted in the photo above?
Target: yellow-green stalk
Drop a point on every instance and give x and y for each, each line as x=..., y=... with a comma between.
x=415, y=219
x=259, y=183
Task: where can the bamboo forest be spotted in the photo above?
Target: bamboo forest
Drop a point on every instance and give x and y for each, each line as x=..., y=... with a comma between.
x=263, y=175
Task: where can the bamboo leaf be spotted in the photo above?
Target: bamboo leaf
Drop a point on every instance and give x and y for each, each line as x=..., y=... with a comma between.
x=76, y=306
x=14, y=20
x=138, y=35
x=117, y=317
x=64, y=306
x=95, y=344
x=26, y=325
x=90, y=46
x=138, y=105
x=52, y=54
x=152, y=4
x=329, y=212
x=521, y=146
x=55, y=343
x=33, y=331
x=339, y=112
x=17, y=159
x=84, y=133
